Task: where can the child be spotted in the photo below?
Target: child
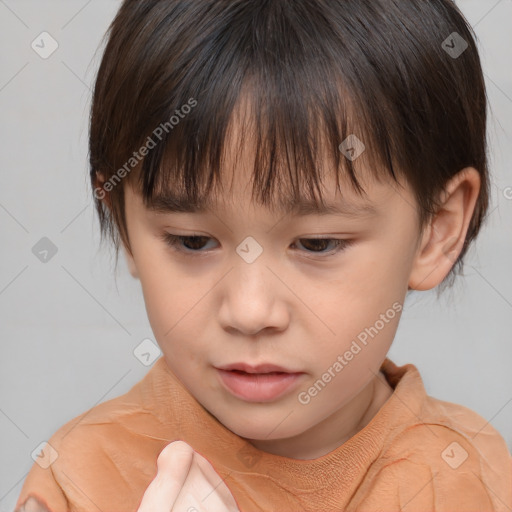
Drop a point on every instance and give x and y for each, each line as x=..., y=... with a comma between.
x=280, y=173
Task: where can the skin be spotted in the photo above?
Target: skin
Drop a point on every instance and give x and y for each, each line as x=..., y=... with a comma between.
x=291, y=306
x=287, y=309
x=186, y=481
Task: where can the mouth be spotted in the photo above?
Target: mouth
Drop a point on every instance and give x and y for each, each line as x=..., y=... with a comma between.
x=263, y=368
x=241, y=372
x=264, y=385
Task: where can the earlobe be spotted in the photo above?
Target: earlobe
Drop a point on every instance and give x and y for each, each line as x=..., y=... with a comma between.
x=443, y=238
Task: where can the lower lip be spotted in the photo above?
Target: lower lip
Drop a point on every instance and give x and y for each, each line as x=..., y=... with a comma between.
x=258, y=387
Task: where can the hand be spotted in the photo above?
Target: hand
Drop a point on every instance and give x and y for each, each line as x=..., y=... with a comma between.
x=32, y=504
x=186, y=482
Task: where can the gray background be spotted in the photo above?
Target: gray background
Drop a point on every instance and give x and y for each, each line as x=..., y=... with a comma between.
x=68, y=328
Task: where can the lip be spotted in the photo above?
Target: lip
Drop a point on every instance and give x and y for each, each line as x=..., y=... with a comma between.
x=266, y=386
x=258, y=368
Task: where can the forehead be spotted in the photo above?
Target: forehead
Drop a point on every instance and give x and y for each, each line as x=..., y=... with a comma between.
x=296, y=182
x=333, y=200
x=173, y=202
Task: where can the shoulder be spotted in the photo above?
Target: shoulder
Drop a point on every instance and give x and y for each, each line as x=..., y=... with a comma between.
x=451, y=458
x=132, y=414
x=110, y=431
x=111, y=447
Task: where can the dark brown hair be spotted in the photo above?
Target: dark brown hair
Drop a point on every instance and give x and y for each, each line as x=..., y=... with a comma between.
x=315, y=72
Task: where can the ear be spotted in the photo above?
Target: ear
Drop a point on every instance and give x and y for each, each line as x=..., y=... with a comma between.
x=444, y=236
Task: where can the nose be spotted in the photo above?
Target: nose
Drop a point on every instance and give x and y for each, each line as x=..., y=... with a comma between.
x=253, y=299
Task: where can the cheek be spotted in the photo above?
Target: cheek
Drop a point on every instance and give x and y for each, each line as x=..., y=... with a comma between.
x=367, y=286
x=164, y=294
x=362, y=304
x=174, y=307
x=381, y=272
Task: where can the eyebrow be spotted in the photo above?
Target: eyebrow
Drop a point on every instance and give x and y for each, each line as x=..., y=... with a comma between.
x=170, y=203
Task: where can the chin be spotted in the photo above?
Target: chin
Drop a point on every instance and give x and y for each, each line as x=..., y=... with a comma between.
x=257, y=430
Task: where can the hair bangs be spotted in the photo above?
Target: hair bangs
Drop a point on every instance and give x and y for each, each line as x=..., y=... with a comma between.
x=294, y=133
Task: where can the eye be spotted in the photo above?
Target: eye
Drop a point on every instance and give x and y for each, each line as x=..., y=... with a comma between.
x=318, y=245
x=191, y=244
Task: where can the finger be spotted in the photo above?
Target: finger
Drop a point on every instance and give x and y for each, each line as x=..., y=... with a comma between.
x=204, y=490
x=216, y=482
x=32, y=505
x=173, y=465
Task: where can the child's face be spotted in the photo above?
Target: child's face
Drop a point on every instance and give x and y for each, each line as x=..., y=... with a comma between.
x=290, y=307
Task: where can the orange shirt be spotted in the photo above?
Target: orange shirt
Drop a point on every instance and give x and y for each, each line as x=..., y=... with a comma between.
x=416, y=454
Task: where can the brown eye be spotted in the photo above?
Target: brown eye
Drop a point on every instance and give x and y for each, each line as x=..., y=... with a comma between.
x=191, y=243
x=315, y=244
x=319, y=245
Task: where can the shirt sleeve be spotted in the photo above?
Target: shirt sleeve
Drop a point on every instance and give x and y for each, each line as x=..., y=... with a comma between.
x=41, y=492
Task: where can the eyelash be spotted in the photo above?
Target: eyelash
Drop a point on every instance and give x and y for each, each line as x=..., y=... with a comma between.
x=173, y=240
